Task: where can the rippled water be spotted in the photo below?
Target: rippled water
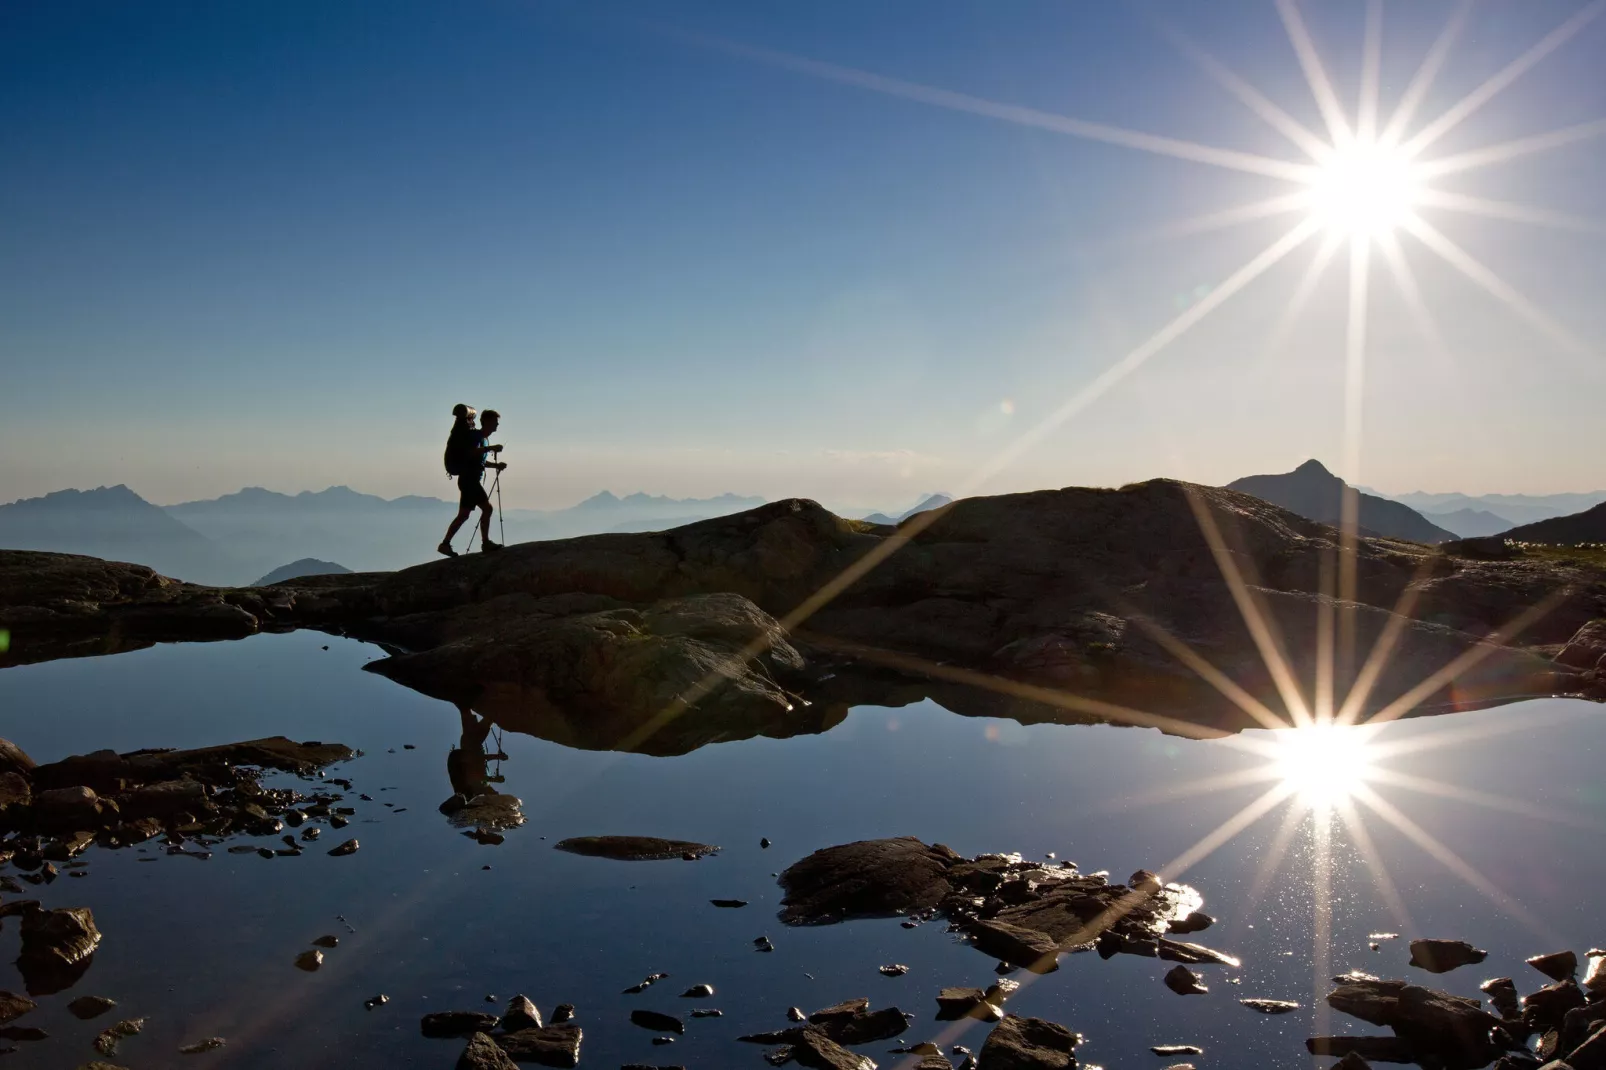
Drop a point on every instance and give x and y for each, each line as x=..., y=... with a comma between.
x=206, y=948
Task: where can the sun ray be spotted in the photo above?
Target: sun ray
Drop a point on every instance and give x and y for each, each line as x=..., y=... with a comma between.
x=1454, y=862
x=1325, y=639
x=1265, y=208
x=1257, y=102
x=1467, y=659
x=1209, y=673
x=1354, y=397
x=1375, y=867
x=1253, y=811
x=1271, y=860
x=1257, y=621
x=1503, y=78
x=1509, y=211
x=1308, y=281
x=1383, y=648
x=1422, y=81
x=1404, y=278
x=1020, y=115
x=1371, y=62
x=1487, y=800
x=1510, y=150
x=1315, y=74
x=1321, y=936
x=1441, y=735
x=1188, y=789
x=1473, y=269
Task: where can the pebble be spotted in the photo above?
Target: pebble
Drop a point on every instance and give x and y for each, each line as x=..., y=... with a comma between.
x=896, y=969
x=327, y=941
x=796, y=1014
x=376, y=1001
x=765, y=842
x=209, y=1044
x=349, y=847
x=309, y=960
x=698, y=992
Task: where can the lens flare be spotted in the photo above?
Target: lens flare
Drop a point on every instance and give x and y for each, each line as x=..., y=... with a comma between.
x=1365, y=189
x=1323, y=764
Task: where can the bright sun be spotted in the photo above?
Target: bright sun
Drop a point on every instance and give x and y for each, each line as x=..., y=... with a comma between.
x=1323, y=764
x=1365, y=189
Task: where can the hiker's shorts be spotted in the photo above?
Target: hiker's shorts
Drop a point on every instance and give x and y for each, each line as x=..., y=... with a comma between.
x=471, y=492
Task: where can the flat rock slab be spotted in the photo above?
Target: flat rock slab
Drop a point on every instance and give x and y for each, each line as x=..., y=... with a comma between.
x=1270, y=1006
x=633, y=848
x=1558, y=966
x=1028, y=1044
x=457, y=1023
x=815, y=1049
x=658, y=1023
x=867, y=878
x=1442, y=956
x=556, y=1045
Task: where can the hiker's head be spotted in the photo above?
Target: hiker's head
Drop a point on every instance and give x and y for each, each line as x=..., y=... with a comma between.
x=462, y=412
x=489, y=419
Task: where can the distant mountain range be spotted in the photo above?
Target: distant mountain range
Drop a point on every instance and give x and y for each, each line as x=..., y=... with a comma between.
x=1587, y=526
x=931, y=501
x=238, y=538
x=1317, y=494
x=307, y=566
x=1494, y=514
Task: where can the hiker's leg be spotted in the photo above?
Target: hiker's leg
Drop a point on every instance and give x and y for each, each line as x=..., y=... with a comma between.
x=485, y=522
x=462, y=515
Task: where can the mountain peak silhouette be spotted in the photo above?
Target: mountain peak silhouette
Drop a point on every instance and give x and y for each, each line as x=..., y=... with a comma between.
x=1317, y=494
x=1313, y=467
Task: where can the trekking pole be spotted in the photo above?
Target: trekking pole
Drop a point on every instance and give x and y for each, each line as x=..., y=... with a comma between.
x=501, y=521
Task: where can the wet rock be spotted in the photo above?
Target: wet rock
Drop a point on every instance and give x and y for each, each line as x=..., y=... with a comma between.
x=867, y=878
x=74, y=807
x=482, y=1053
x=375, y=1001
x=1017, y=945
x=865, y=1027
x=763, y=944
x=764, y=841
x=698, y=992
x=87, y=1007
x=556, y=1045
x=1177, y=1049
x=563, y=1012
x=1502, y=993
x=1028, y=1044
x=1184, y=982
x=658, y=1023
x=309, y=960
x=28, y=1034
x=893, y=969
x=521, y=1013
x=955, y=1003
x=209, y=1044
x=729, y=904
x=632, y=848
x=349, y=847
x=1595, y=975
x=106, y=1043
x=57, y=947
x=644, y=984
x=443, y=1024
x=817, y=1050
x=1433, y=1025
x=708, y=1012
x=13, y=1006
x=327, y=940
x=1195, y=921
x=489, y=812
x=660, y=1041
x=1193, y=954
x=1270, y=1006
x=1442, y=956
x=1548, y=1006
x=1558, y=966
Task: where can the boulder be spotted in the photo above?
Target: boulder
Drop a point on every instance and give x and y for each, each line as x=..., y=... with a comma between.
x=482, y=1053
x=867, y=878
x=13, y=1006
x=521, y=1013
x=1558, y=965
x=57, y=947
x=1018, y=1043
x=554, y=1045
x=13, y=759
x=813, y=1048
x=1433, y=1026
x=1586, y=649
x=64, y=809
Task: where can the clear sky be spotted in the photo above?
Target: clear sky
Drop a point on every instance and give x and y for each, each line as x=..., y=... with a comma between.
x=272, y=243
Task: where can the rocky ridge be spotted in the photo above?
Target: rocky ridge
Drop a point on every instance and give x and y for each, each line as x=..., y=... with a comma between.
x=1067, y=605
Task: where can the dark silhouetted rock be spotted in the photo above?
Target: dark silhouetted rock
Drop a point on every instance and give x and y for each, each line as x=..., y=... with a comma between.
x=57, y=947
x=13, y=1006
x=348, y=847
x=1433, y=1025
x=1549, y=1005
x=1270, y=1006
x=658, y=1023
x=1184, y=982
x=815, y=1049
x=309, y=960
x=87, y=1007
x=200, y=1046
x=109, y=1038
x=521, y=1013
x=632, y=848
x=1018, y=1043
x=1502, y=993
x=1177, y=1049
x=1442, y=956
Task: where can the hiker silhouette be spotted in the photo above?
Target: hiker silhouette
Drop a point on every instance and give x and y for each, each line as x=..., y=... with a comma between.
x=467, y=448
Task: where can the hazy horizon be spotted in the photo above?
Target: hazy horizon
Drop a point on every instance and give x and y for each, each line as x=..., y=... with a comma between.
x=841, y=252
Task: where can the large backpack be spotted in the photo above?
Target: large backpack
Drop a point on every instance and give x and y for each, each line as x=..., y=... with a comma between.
x=460, y=450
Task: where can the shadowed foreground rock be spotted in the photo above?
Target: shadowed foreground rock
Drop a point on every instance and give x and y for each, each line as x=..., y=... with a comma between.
x=999, y=606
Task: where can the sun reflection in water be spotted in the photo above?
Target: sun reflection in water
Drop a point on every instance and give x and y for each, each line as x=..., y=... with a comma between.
x=1323, y=765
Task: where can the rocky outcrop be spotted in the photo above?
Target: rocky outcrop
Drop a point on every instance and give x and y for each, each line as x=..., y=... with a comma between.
x=1068, y=605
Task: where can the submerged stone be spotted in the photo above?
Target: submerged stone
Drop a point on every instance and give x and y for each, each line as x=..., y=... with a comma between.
x=632, y=848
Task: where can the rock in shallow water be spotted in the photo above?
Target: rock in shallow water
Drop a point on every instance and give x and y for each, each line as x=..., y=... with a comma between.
x=482, y=1053
x=556, y=1045
x=867, y=878
x=1442, y=956
x=13, y=1006
x=632, y=848
x=1558, y=966
x=521, y=1013
x=658, y=1023
x=106, y=1043
x=1028, y=1044
x=57, y=946
x=1270, y=1006
x=1184, y=982
x=443, y=1024
x=87, y=1007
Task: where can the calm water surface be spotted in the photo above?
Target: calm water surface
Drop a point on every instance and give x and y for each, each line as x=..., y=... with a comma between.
x=205, y=948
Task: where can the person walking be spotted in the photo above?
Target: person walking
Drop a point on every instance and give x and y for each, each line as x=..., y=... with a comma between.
x=467, y=448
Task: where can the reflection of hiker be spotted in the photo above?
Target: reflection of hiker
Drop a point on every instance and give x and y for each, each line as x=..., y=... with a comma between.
x=466, y=764
x=466, y=449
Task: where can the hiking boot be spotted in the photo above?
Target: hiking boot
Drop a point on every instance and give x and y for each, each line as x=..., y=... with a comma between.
x=446, y=548
x=488, y=546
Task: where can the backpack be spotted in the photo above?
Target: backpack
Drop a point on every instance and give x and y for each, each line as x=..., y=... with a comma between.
x=460, y=456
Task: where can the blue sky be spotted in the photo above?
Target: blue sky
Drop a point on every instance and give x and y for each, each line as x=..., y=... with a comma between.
x=273, y=243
